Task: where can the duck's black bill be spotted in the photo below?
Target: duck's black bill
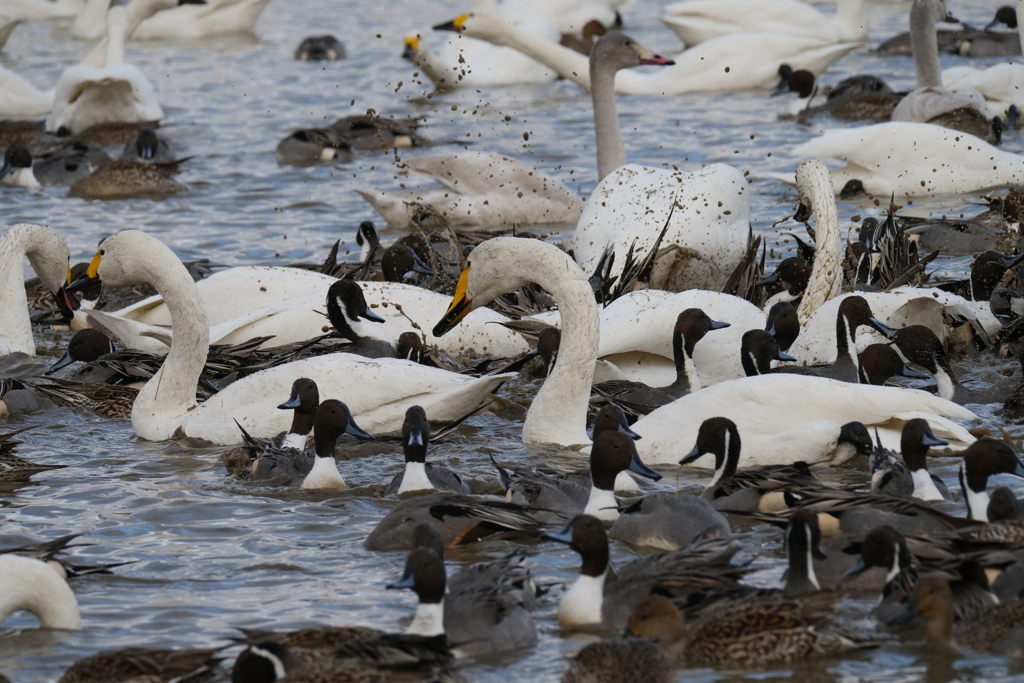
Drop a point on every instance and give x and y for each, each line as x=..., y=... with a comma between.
x=371, y=316
x=62, y=362
x=407, y=581
x=856, y=569
x=353, y=429
x=692, y=456
x=636, y=465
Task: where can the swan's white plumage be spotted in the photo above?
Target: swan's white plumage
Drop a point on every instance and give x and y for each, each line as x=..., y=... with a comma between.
x=48, y=254
x=35, y=586
x=255, y=301
x=7, y=26
x=630, y=206
x=568, y=16
x=753, y=59
x=697, y=21
x=40, y=10
x=914, y=159
x=785, y=418
x=482, y=188
x=215, y=18
x=19, y=99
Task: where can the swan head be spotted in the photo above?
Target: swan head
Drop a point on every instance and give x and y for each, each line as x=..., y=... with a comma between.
x=124, y=258
x=51, y=260
x=813, y=180
x=616, y=51
x=934, y=11
x=484, y=23
x=412, y=47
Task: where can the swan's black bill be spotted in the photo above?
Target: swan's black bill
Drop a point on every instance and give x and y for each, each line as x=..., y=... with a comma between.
x=455, y=24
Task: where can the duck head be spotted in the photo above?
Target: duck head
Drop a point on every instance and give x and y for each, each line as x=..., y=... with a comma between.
x=987, y=272
x=615, y=452
x=346, y=305
x=717, y=435
x=612, y=418
x=783, y=323
x=792, y=275
x=757, y=351
x=587, y=536
x=304, y=400
x=985, y=458
x=331, y=421
x=425, y=576
x=802, y=543
x=916, y=439
x=884, y=548
x=401, y=264
x=656, y=618
x=86, y=346
x=415, y=434
x=880, y=362
x=264, y=662
x=854, y=439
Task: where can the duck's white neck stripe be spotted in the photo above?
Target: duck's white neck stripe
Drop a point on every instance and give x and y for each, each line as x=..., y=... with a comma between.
x=415, y=478
x=924, y=486
x=944, y=384
x=894, y=571
x=582, y=603
x=811, y=576
x=691, y=371
x=429, y=620
x=324, y=475
x=275, y=661
x=296, y=441
x=977, y=505
x=602, y=504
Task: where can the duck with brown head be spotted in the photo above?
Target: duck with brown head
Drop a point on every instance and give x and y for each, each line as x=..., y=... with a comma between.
x=420, y=475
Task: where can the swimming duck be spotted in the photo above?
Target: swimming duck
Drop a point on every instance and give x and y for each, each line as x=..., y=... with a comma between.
x=908, y=475
x=458, y=519
x=345, y=306
x=853, y=98
x=17, y=168
x=697, y=21
x=157, y=666
x=691, y=326
x=993, y=629
x=558, y=413
x=419, y=475
x=132, y=256
x=50, y=259
x=332, y=419
x=481, y=620
x=270, y=458
x=783, y=324
x=487, y=605
x=754, y=57
x=310, y=146
x=69, y=163
x=880, y=362
x=668, y=521
x=127, y=178
x=35, y=586
x=325, y=48
x=984, y=458
x=960, y=41
x=51, y=551
x=600, y=595
x=148, y=146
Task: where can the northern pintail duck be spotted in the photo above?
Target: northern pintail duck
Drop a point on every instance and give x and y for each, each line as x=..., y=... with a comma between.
x=668, y=521
x=294, y=648
x=758, y=350
x=987, y=272
x=401, y=263
x=105, y=400
x=880, y=362
x=419, y=475
x=691, y=326
x=310, y=146
x=13, y=468
x=144, y=664
x=783, y=324
x=650, y=656
x=557, y=498
x=34, y=586
x=920, y=346
x=854, y=312
x=346, y=305
x=791, y=277
x=759, y=488
x=602, y=595
x=995, y=629
x=332, y=419
x=984, y=458
x=17, y=168
x=149, y=147
x=907, y=474
x=284, y=460
x=458, y=518
x=958, y=41
x=325, y=48
x=127, y=178
x=486, y=607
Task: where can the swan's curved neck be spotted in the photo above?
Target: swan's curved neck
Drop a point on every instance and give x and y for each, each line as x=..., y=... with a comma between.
x=611, y=152
x=118, y=27
x=443, y=80
x=568, y=63
x=925, y=45
x=89, y=21
x=852, y=14
x=166, y=398
x=17, y=243
x=33, y=586
x=815, y=184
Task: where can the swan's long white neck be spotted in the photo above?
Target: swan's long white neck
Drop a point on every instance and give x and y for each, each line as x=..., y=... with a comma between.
x=852, y=14
x=118, y=26
x=162, y=404
x=814, y=183
x=20, y=241
x=925, y=45
x=33, y=586
x=445, y=80
x=611, y=152
x=89, y=20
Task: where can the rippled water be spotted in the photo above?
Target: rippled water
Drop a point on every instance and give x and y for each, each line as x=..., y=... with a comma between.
x=212, y=553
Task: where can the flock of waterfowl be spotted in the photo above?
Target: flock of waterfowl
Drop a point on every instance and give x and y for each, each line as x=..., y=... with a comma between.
x=814, y=391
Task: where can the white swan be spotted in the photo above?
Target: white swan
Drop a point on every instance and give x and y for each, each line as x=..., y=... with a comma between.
x=466, y=62
x=636, y=336
x=19, y=99
x=34, y=586
x=898, y=308
x=787, y=418
x=215, y=17
x=1002, y=85
x=707, y=212
x=481, y=188
x=929, y=99
x=114, y=93
x=40, y=10
x=568, y=16
x=697, y=21
x=49, y=255
x=378, y=392
x=288, y=303
x=739, y=61
x=914, y=159
x=558, y=413
x=814, y=185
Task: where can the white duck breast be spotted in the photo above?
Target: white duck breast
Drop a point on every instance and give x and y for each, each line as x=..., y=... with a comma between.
x=697, y=21
x=115, y=93
x=481, y=188
x=787, y=418
x=252, y=301
x=708, y=225
x=899, y=308
x=753, y=59
x=636, y=336
x=914, y=159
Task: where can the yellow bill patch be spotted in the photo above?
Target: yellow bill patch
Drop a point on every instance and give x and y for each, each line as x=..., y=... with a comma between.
x=413, y=42
x=94, y=266
x=460, y=290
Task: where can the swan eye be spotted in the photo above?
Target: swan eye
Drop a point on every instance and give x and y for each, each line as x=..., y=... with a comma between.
x=102, y=253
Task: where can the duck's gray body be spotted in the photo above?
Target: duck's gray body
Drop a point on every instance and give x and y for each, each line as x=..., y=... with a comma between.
x=442, y=478
x=669, y=522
